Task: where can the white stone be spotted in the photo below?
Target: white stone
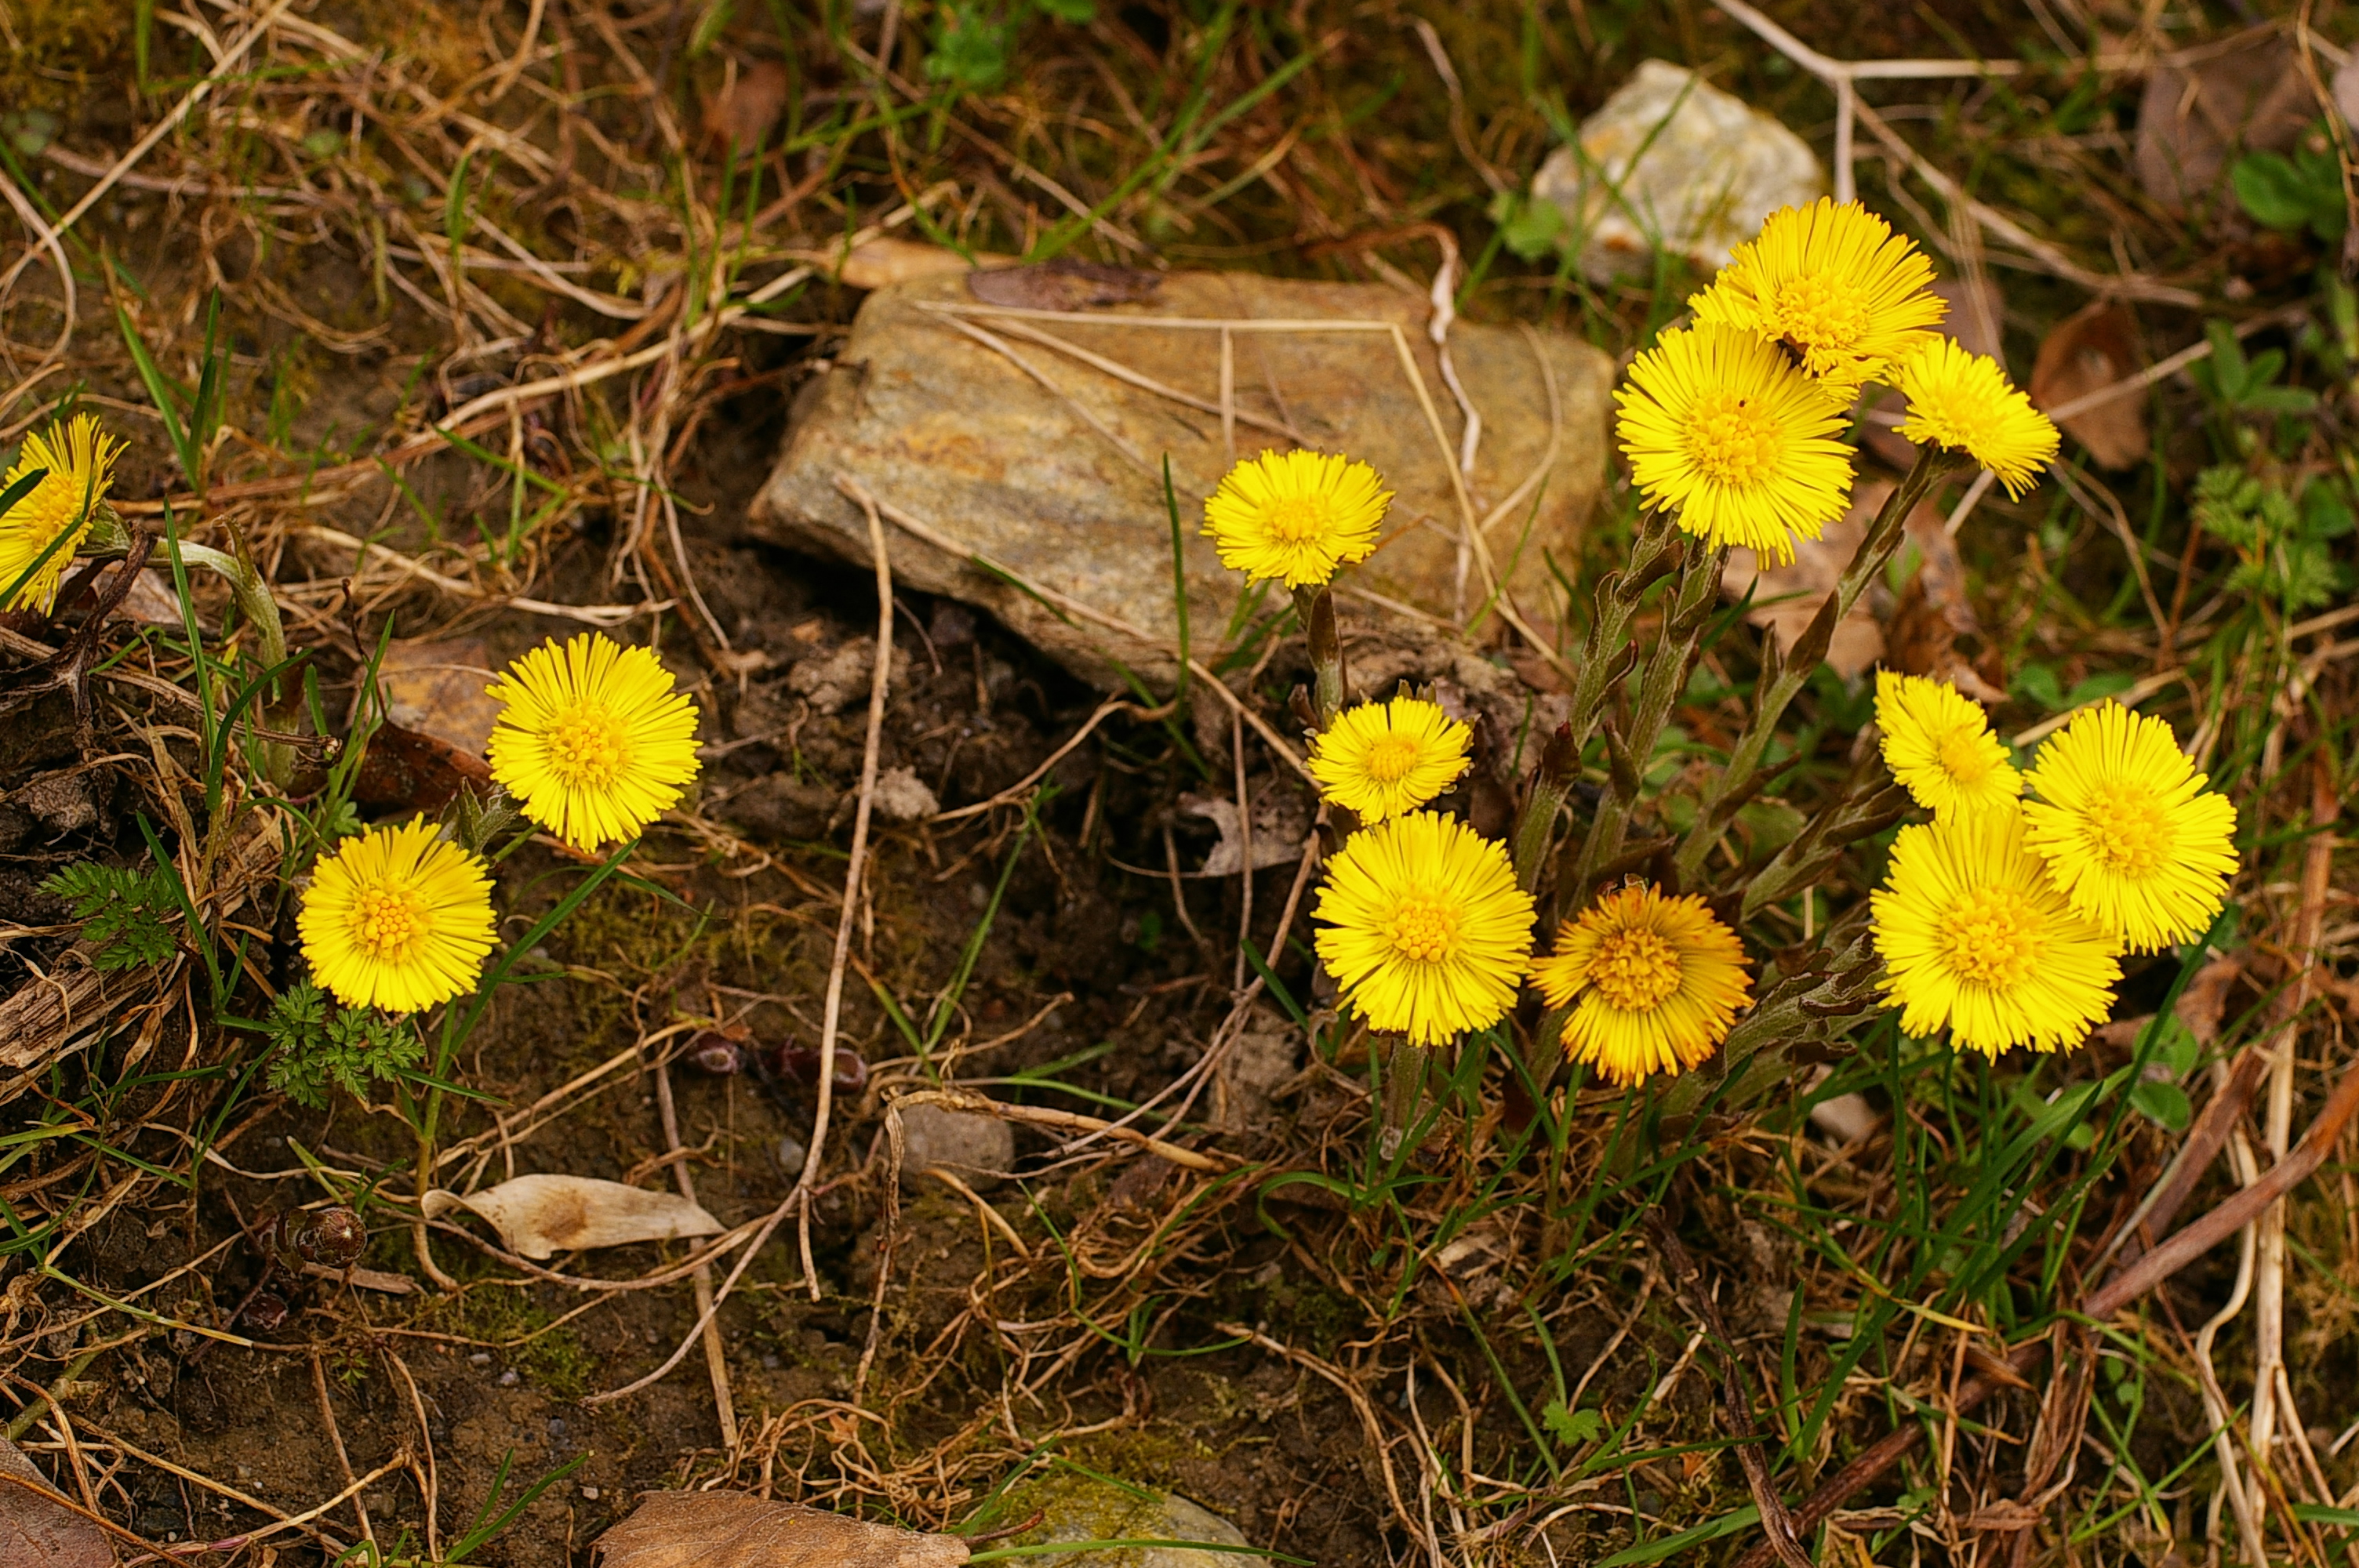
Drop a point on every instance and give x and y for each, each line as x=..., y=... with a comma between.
x=1672, y=159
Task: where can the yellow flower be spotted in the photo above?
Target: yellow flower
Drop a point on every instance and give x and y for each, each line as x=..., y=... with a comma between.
x=1964, y=401
x=1425, y=929
x=1719, y=424
x=1383, y=759
x=592, y=739
x=1976, y=936
x=1295, y=516
x=1940, y=747
x=80, y=462
x=1835, y=285
x=397, y=919
x=2130, y=833
x=1659, y=980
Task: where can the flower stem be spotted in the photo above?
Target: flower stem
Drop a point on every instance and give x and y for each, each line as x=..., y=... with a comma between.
x=1315, y=607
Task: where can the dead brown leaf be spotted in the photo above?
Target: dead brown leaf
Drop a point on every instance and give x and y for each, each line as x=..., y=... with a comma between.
x=743, y=113
x=1068, y=283
x=873, y=264
x=2081, y=353
x=403, y=768
x=35, y=1529
x=2194, y=117
x=439, y=686
x=733, y=1529
x=1921, y=639
x=541, y=1215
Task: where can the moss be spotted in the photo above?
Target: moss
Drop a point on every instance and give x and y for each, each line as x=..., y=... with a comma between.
x=61, y=50
x=501, y=1316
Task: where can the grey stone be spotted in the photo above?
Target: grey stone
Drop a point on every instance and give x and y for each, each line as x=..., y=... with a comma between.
x=977, y=1149
x=902, y=796
x=835, y=681
x=1079, y=1507
x=951, y=432
x=1671, y=159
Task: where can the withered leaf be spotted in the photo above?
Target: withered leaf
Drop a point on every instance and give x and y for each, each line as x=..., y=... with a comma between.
x=440, y=686
x=873, y=264
x=35, y=1529
x=1066, y=284
x=743, y=113
x=2081, y=353
x=407, y=768
x=732, y=1529
x=540, y=1215
x=2253, y=97
x=1280, y=818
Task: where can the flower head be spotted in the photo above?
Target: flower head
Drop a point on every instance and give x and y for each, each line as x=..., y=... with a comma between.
x=593, y=739
x=80, y=459
x=1964, y=401
x=1940, y=747
x=397, y=919
x=1717, y=423
x=1295, y=516
x=1425, y=929
x=1976, y=936
x=1835, y=285
x=2129, y=830
x=1658, y=981
x=1382, y=758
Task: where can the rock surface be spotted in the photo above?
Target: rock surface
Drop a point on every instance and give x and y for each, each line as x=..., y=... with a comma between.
x=977, y=1149
x=1079, y=1507
x=1066, y=488
x=1672, y=159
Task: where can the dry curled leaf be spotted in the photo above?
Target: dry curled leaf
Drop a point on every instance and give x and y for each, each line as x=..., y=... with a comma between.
x=743, y=113
x=875, y=263
x=412, y=770
x=732, y=1529
x=1066, y=284
x=1281, y=819
x=35, y=1529
x=2193, y=117
x=2081, y=353
x=539, y=1215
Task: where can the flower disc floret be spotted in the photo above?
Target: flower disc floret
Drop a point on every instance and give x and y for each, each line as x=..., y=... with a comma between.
x=1833, y=284
x=1938, y=746
x=79, y=459
x=2129, y=828
x=1295, y=516
x=1424, y=929
x=1964, y=401
x=1975, y=938
x=1719, y=426
x=592, y=740
x=1381, y=760
x=1654, y=983
x=397, y=919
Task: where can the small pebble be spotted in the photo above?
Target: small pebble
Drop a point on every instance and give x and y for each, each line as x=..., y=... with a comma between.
x=770, y=1363
x=791, y=1152
x=555, y=1426
x=480, y=1358
x=508, y=1378
x=590, y=1494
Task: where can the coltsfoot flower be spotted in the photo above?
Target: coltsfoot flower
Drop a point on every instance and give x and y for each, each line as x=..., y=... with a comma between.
x=1654, y=983
x=1383, y=759
x=1939, y=745
x=2130, y=832
x=397, y=919
x=80, y=459
x=592, y=739
x=1719, y=426
x=1964, y=401
x=1295, y=516
x=1976, y=937
x=1424, y=929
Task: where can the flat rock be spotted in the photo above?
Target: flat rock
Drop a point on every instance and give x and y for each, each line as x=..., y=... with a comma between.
x=1672, y=160
x=1064, y=487
x=977, y=1149
x=1079, y=1507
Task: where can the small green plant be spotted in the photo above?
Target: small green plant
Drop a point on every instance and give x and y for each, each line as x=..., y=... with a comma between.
x=974, y=39
x=2304, y=191
x=320, y=1045
x=2283, y=538
x=124, y=913
x=2240, y=384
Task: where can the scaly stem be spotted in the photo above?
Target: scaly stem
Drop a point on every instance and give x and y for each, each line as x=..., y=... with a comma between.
x=1405, y=1074
x=1784, y=677
x=1315, y=607
x=1551, y=783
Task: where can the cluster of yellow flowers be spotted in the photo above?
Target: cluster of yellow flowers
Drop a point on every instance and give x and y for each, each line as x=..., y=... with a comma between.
x=2004, y=918
x=592, y=742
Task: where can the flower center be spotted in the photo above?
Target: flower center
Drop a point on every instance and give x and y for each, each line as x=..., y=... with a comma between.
x=1731, y=441
x=389, y=921
x=1295, y=519
x=1964, y=757
x=1820, y=312
x=1637, y=971
x=1423, y=929
x=1390, y=759
x=2128, y=830
x=587, y=746
x=1993, y=937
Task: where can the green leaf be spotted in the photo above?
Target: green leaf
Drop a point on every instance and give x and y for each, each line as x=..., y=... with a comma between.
x=2165, y=1105
x=1670, y=1545
x=2319, y=1513
x=1075, y=12
x=1529, y=229
x=970, y=47
x=124, y=913
x=2276, y=192
x=2039, y=683
x=2105, y=683
x=1572, y=1428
